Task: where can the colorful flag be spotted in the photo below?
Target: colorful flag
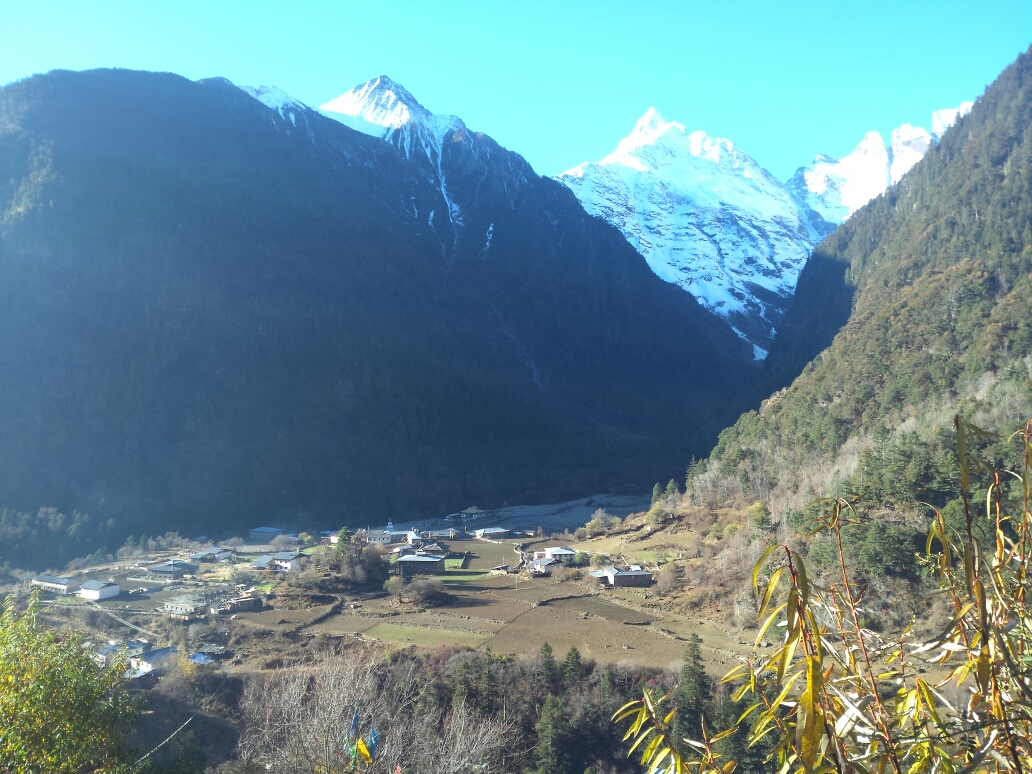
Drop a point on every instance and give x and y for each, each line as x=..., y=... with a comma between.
x=374, y=740
x=363, y=751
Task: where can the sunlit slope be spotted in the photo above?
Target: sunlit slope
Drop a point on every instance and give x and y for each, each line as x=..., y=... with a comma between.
x=932, y=280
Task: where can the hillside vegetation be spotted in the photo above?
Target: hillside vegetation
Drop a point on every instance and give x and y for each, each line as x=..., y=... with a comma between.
x=934, y=281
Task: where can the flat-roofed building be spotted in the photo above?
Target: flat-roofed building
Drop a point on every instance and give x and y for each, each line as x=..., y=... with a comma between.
x=173, y=568
x=491, y=533
x=55, y=585
x=614, y=576
x=185, y=607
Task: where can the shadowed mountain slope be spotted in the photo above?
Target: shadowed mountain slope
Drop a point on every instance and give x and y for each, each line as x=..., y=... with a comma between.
x=216, y=313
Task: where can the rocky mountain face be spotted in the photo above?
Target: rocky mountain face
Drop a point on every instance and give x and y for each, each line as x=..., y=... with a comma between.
x=220, y=307
x=710, y=219
x=707, y=218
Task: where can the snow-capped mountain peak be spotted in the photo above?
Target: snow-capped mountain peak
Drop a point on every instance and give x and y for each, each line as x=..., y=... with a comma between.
x=647, y=132
x=908, y=146
x=836, y=188
x=380, y=102
x=384, y=108
x=705, y=216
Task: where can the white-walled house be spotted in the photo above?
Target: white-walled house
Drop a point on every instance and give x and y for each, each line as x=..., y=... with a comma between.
x=558, y=553
x=379, y=537
x=55, y=585
x=96, y=590
x=283, y=561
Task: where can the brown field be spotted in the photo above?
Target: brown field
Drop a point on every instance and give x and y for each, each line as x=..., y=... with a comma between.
x=424, y=636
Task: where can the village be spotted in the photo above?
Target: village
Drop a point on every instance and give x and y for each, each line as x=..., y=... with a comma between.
x=491, y=569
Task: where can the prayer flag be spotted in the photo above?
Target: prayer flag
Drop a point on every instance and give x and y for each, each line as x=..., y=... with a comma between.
x=374, y=740
x=363, y=751
x=354, y=725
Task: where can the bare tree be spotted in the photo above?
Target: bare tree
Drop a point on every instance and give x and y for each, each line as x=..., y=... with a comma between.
x=297, y=720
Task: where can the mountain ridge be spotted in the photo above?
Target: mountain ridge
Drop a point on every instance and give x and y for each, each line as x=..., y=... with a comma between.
x=247, y=310
x=732, y=235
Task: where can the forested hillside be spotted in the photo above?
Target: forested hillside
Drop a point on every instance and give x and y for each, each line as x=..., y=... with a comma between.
x=934, y=283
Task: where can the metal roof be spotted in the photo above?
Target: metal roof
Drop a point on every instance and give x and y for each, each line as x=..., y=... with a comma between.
x=418, y=558
x=93, y=585
x=53, y=579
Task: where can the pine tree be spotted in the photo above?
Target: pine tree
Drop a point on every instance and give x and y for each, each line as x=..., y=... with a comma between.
x=463, y=685
x=694, y=692
x=657, y=492
x=343, y=541
x=549, y=669
x=487, y=690
x=572, y=667
x=553, y=732
x=671, y=488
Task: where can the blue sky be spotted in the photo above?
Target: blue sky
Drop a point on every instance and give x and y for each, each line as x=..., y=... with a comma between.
x=562, y=81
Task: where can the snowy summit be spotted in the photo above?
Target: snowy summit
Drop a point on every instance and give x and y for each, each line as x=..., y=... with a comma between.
x=836, y=188
x=385, y=109
x=706, y=217
x=710, y=219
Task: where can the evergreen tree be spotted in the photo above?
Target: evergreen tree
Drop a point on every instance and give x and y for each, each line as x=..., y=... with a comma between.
x=463, y=685
x=657, y=492
x=487, y=691
x=694, y=692
x=671, y=488
x=725, y=713
x=572, y=668
x=343, y=541
x=549, y=669
x=552, y=754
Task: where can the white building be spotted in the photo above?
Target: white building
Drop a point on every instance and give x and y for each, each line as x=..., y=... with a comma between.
x=283, y=561
x=97, y=590
x=55, y=585
x=559, y=554
x=212, y=554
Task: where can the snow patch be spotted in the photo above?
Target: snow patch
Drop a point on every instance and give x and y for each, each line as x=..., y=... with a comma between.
x=487, y=244
x=277, y=99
